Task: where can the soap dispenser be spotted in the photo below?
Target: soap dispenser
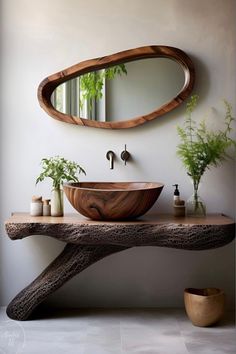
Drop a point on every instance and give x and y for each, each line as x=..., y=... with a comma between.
x=179, y=205
x=176, y=193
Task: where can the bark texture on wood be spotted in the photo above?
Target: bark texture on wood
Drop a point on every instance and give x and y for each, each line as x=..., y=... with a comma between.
x=73, y=260
x=182, y=236
x=89, y=241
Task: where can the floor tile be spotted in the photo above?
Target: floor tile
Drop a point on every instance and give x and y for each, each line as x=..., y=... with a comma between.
x=114, y=331
x=148, y=339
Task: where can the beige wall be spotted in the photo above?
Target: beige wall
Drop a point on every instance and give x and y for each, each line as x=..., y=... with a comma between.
x=42, y=37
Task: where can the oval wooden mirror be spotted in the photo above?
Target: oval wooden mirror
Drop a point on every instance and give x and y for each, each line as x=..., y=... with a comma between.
x=94, y=92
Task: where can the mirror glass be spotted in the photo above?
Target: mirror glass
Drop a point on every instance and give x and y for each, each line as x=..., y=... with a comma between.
x=122, y=91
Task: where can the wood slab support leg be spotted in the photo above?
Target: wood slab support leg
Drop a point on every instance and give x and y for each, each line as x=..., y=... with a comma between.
x=71, y=261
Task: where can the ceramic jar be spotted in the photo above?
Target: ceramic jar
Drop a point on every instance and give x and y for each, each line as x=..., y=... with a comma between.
x=36, y=206
x=46, y=207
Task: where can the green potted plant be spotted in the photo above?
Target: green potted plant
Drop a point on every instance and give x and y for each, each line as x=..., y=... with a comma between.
x=91, y=84
x=59, y=170
x=201, y=148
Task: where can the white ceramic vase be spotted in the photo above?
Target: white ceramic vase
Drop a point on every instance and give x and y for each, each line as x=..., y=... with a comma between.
x=57, y=204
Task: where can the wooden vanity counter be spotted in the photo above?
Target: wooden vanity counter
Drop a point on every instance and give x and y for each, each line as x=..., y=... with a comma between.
x=88, y=241
x=150, y=230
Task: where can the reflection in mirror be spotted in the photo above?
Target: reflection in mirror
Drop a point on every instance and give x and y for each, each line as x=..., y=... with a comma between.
x=122, y=91
x=83, y=95
x=155, y=80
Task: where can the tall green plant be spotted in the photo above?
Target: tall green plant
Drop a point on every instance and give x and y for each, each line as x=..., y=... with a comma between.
x=201, y=148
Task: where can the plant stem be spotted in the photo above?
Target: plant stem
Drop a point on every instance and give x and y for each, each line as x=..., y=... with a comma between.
x=198, y=205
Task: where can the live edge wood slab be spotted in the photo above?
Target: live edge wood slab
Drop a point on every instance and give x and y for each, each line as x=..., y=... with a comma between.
x=88, y=241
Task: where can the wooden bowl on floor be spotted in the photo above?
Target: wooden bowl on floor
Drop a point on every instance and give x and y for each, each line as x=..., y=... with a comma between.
x=204, y=307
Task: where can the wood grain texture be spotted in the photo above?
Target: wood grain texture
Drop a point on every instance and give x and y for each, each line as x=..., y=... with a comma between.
x=204, y=307
x=70, y=262
x=48, y=85
x=112, y=200
x=149, y=218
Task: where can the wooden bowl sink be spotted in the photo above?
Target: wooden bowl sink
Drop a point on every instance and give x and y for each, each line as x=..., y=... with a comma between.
x=112, y=200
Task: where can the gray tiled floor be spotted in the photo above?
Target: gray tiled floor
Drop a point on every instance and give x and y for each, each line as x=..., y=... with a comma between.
x=143, y=331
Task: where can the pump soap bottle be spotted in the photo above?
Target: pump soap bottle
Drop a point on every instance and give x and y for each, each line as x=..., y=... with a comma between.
x=179, y=205
x=176, y=193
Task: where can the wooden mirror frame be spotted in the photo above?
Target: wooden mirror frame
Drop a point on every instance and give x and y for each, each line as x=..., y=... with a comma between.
x=48, y=85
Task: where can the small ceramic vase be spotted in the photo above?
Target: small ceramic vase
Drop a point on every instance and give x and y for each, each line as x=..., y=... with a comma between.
x=36, y=206
x=57, y=205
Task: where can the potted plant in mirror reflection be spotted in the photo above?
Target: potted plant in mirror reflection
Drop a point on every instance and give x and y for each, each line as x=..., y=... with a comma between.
x=202, y=148
x=59, y=170
x=91, y=84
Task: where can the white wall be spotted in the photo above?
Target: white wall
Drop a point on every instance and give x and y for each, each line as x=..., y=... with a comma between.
x=43, y=37
x=149, y=83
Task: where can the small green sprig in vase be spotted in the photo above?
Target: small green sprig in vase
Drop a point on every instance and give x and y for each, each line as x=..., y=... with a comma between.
x=59, y=170
x=201, y=148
